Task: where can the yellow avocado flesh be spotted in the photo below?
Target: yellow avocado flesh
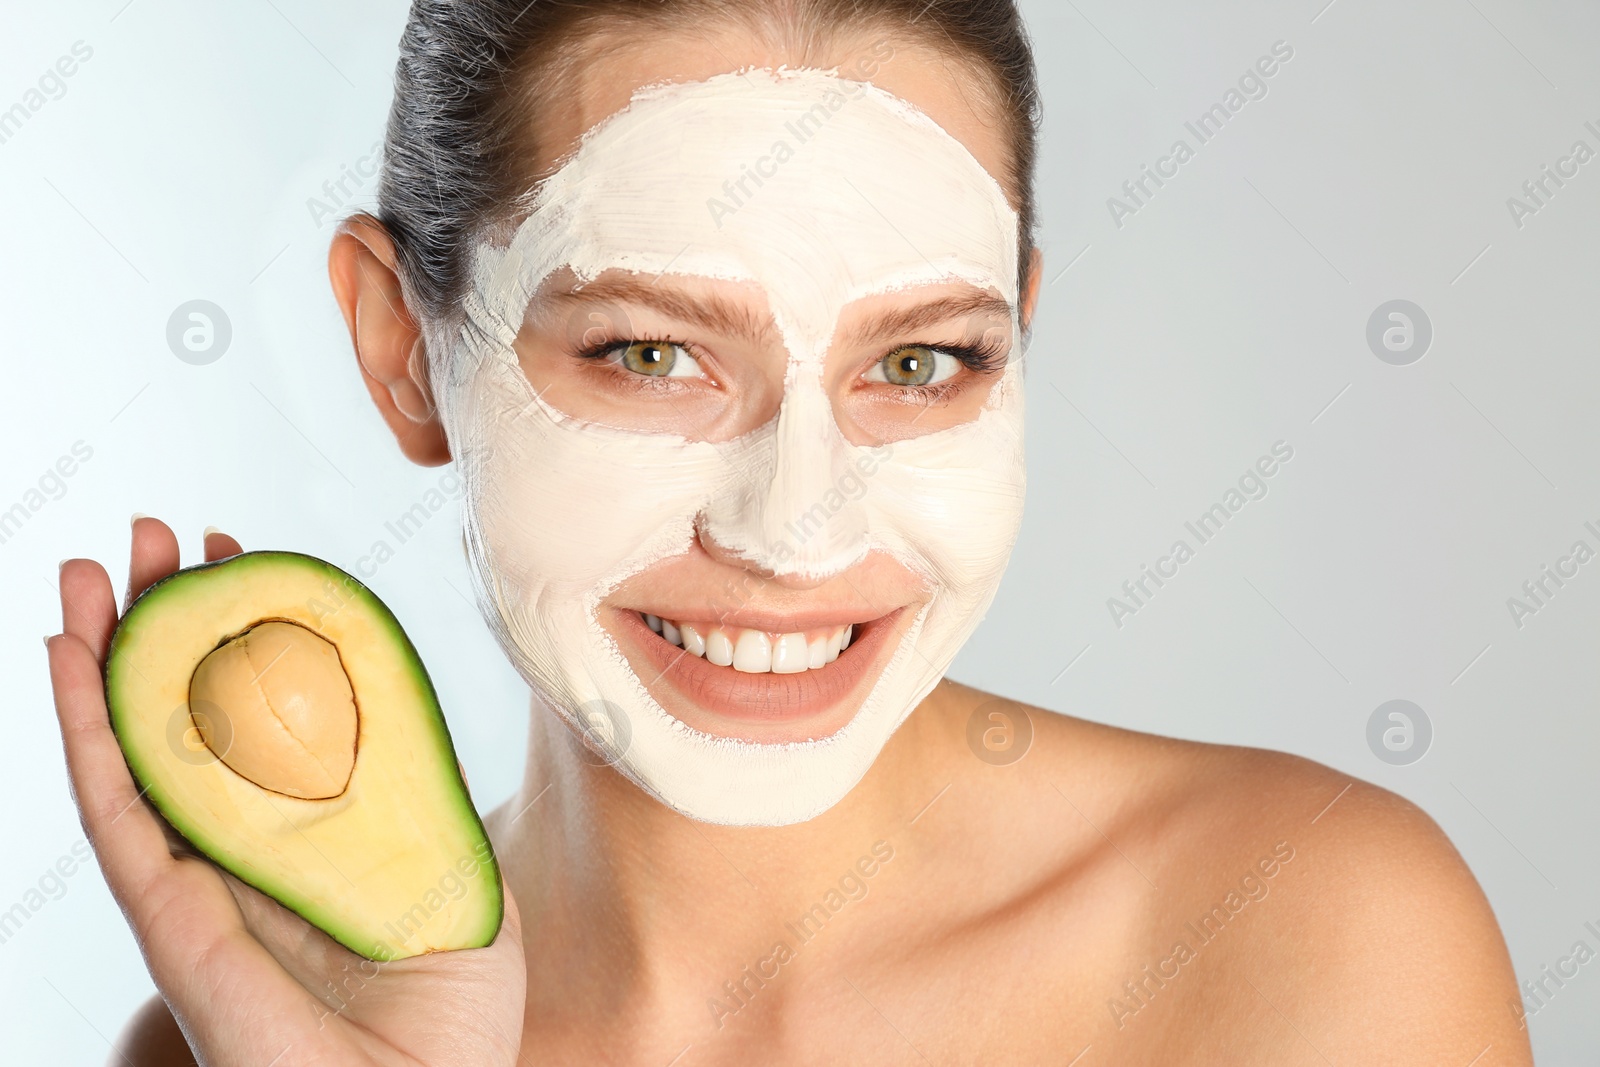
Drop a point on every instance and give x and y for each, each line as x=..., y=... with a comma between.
x=394, y=864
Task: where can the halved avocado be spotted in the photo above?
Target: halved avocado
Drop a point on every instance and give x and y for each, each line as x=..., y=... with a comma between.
x=226, y=687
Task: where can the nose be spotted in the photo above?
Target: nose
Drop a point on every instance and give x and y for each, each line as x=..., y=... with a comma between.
x=728, y=556
x=786, y=514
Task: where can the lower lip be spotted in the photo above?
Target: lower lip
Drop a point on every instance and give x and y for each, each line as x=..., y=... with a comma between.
x=764, y=699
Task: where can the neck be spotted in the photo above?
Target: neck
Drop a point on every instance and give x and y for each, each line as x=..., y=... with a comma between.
x=625, y=901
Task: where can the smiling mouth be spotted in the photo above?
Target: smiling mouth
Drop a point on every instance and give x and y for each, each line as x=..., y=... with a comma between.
x=755, y=651
x=774, y=682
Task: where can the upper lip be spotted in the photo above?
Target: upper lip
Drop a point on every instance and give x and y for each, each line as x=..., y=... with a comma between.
x=773, y=622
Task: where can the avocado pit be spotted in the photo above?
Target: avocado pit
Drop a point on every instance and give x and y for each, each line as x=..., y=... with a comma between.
x=288, y=710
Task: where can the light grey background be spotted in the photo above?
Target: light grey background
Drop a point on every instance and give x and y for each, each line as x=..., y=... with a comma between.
x=1228, y=313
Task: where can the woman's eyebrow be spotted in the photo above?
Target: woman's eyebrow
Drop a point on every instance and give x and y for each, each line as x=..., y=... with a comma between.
x=708, y=311
x=714, y=313
x=902, y=322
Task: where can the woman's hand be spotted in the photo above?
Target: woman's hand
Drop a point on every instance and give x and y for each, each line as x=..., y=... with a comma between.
x=250, y=982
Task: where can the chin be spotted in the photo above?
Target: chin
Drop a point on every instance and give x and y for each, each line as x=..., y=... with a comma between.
x=761, y=678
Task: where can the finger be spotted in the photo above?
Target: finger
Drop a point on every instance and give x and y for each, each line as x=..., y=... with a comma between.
x=178, y=846
x=154, y=556
x=223, y=986
x=88, y=607
x=126, y=836
x=219, y=545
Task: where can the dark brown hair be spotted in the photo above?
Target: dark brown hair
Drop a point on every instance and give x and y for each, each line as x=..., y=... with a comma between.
x=455, y=152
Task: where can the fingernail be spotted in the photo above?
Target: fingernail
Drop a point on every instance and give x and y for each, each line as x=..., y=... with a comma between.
x=137, y=515
x=47, y=644
x=209, y=531
x=62, y=566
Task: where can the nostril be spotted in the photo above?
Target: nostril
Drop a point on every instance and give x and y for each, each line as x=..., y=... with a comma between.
x=785, y=555
x=728, y=556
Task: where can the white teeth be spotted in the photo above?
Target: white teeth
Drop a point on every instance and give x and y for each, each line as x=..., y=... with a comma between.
x=755, y=651
x=692, y=641
x=789, y=654
x=817, y=652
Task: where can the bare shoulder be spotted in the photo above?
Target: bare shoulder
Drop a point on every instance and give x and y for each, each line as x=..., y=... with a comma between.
x=151, y=1038
x=1378, y=918
x=1312, y=905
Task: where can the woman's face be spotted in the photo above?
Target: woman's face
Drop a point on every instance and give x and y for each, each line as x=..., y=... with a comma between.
x=702, y=359
x=759, y=403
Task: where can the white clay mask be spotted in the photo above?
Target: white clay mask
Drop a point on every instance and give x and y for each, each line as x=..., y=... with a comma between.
x=867, y=196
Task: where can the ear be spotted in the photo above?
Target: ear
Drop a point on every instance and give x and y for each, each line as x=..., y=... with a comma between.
x=364, y=270
x=1030, y=299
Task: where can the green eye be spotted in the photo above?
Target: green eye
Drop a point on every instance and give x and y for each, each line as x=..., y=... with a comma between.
x=914, y=365
x=908, y=366
x=649, y=357
x=653, y=359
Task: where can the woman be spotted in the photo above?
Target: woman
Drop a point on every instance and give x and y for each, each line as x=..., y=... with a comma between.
x=719, y=306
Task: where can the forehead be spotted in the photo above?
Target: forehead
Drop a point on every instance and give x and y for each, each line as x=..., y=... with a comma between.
x=594, y=76
x=819, y=189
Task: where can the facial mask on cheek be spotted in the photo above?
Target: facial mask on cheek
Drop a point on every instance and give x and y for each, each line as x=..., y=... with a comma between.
x=858, y=194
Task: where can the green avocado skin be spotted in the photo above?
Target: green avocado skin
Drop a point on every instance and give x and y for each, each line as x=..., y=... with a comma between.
x=143, y=621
